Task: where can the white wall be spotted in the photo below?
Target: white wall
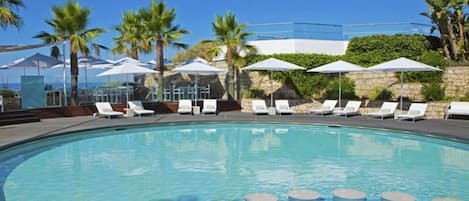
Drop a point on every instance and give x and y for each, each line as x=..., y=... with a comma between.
x=331, y=47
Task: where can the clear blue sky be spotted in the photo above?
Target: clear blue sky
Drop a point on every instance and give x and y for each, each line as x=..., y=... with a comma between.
x=196, y=16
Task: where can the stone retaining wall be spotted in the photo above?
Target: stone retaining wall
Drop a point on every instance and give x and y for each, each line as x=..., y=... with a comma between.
x=456, y=81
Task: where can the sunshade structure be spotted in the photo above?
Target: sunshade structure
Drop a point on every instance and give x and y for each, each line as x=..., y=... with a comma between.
x=197, y=68
x=165, y=61
x=402, y=65
x=272, y=65
x=37, y=61
x=129, y=60
x=127, y=69
x=337, y=67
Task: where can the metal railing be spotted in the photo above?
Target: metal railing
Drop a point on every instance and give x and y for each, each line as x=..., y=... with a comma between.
x=296, y=30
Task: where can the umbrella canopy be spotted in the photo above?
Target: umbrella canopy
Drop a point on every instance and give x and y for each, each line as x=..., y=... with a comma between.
x=126, y=68
x=129, y=60
x=195, y=59
x=37, y=61
x=337, y=67
x=271, y=65
x=402, y=65
x=197, y=68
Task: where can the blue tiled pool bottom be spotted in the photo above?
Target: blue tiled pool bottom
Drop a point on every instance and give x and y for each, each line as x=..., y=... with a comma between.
x=199, y=162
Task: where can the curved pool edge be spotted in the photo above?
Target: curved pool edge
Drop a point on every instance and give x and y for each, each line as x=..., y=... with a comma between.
x=409, y=130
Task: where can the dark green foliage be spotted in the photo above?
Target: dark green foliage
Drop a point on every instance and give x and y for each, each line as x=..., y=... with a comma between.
x=348, y=89
x=433, y=91
x=372, y=50
x=381, y=94
x=254, y=93
x=6, y=93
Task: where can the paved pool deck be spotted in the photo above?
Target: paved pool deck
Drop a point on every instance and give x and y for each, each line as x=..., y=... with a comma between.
x=11, y=135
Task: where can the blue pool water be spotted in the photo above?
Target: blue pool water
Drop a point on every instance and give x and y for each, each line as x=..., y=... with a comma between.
x=199, y=162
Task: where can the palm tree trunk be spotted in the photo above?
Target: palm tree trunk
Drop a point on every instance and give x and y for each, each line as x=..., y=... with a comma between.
x=160, y=68
x=461, y=40
x=452, y=40
x=74, y=78
x=133, y=51
x=444, y=42
x=232, y=78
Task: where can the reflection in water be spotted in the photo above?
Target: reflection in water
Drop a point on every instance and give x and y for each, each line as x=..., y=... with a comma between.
x=227, y=161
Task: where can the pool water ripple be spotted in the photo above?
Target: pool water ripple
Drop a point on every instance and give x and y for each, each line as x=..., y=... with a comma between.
x=198, y=162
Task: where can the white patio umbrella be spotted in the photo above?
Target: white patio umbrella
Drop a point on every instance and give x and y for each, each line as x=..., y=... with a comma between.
x=129, y=60
x=126, y=68
x=37, y=60
x=271, y=65
x=197, y=68
x=402, y=65
x=165, y=61
x=337, y=67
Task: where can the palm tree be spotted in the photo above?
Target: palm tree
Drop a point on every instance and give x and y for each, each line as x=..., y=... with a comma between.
x=158, y=22
x=131, y=40
x=7, y=16
x=438, y=15
x=232, y=35
x=70, y=24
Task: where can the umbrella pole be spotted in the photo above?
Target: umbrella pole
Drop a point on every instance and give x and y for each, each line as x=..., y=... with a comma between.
x=38, y=73
x=271, y=90
x=64, y=77
x=195, y=87
x=340, y=89
x=400, y=91
x=127, y=91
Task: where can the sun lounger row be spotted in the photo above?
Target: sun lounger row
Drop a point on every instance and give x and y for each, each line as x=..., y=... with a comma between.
x=136, y=107
x=209, y=106
x=388, y=109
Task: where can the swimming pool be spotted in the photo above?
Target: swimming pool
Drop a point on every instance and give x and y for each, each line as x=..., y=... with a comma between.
x=229, y=160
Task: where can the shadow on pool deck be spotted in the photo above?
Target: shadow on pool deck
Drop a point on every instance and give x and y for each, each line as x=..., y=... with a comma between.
x=16, y=134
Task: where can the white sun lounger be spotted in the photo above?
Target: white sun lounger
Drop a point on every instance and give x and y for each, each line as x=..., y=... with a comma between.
x=457, y=108
x=185, y=106
x=416, y=111
x=209, y=106
x=386, y=110
x=137, y=107
x=259, y=107
x=105, y=109
x=326, y=108
x=282, y=107
x=351, y=108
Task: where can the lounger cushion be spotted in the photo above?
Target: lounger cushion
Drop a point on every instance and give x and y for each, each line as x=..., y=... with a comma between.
x=385, y=110
x=138, y=108
x=209, y=107
x=184, y=107
x=283, y=107
x=349, y=109
x=325, y=107
x=259, y=107
x=413, y=112
x=107, y=110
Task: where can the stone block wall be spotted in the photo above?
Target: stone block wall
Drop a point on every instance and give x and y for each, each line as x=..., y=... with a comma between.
x=456, y=81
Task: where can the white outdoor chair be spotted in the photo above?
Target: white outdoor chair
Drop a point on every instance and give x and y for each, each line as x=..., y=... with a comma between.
x=105, y=109
x=282, y=107
x=386, y=110
x=259, y=107
x=137, y=107
x=185, y=106
x=351, y=108
x=457, y=108
x=326, y=108
x=209, y=106
x=416, y=111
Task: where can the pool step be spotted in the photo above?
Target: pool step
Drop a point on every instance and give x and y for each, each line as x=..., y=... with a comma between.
x=17, y=117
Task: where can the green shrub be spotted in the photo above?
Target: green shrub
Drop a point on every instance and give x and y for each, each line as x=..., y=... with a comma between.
x=254, y=93
x=348, y=89
x=372, y=50
x=6, y=93
x=433, y=91
x=381, y=94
